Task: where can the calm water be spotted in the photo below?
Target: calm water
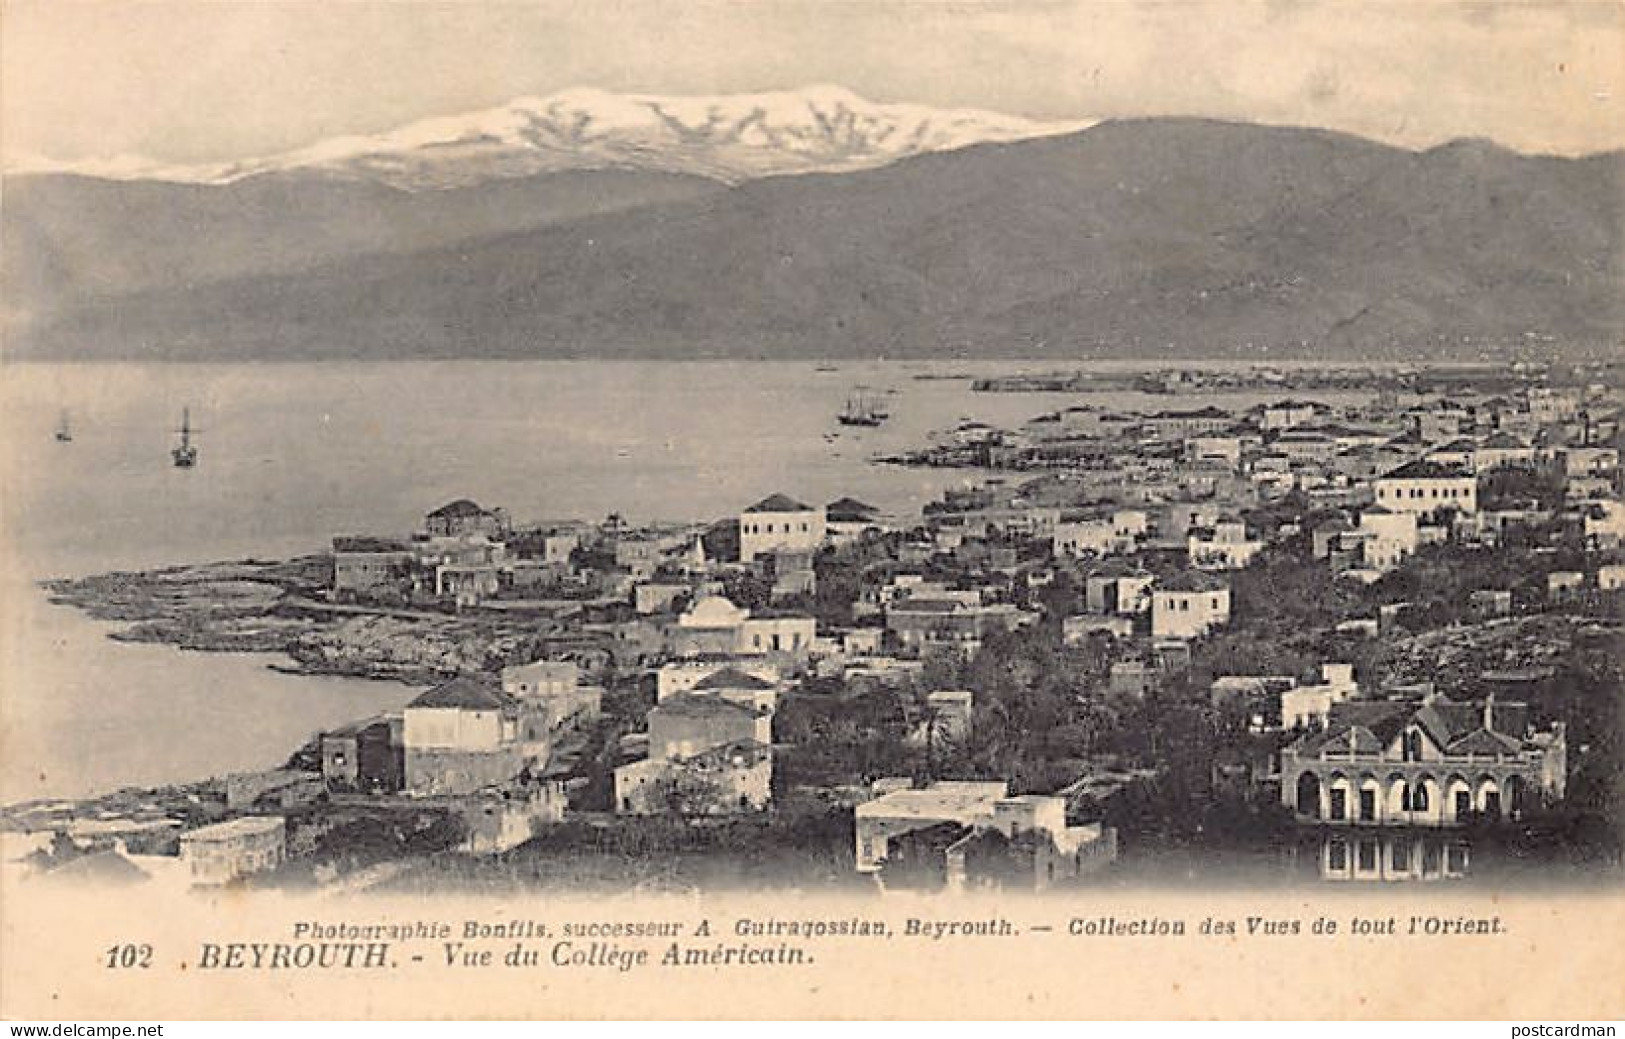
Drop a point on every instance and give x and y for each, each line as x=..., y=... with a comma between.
x=291, y=454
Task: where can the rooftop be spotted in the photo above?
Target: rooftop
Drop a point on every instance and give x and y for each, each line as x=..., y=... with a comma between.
x=463, y=693
x=368, y=543
x=460, y=507
x=1210, y=411
x=690, y=706
x=732, y=678
x=941, y=800
x=1428, y=469
x=242, y=826
x=850, y=510
x=779, y=503
x=1367, y=726
x=1191, y=581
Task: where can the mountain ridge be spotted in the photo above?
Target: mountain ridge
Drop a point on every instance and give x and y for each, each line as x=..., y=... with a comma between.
x=1137, y=237
x=728, y=137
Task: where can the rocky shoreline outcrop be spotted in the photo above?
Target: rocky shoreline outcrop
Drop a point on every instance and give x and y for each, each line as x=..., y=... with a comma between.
x=258, y=606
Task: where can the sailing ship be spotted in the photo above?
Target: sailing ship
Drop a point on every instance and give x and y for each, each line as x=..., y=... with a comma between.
x=185, y=453
x=64, y=433
x=862, y=409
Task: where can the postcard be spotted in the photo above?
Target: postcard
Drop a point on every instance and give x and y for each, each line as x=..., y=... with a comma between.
x=661, y=510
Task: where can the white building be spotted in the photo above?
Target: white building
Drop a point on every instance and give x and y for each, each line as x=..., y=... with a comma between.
x=1604, y=524
x=1434, y=763
x=1189, y=608
x=1310, y=706
x=467, y=734
x=902, y=809
x=236, y=848
x=713, y=611
x=1426, y=486
x=1503, y=450
x=1094, y=537
x=1224, y=546
x=779, y=522
x=1389, y=536
x=683, y=674
x=706, y=757
x=715, y=626
x=1286, y=414
x=778, y=633
x=554, y=686
x=990, y=822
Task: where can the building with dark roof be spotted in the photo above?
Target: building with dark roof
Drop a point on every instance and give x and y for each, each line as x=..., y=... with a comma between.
x=683, y=725
x=849, y=518
x=363, y=564
x=778, y=503
x=780, y=523
x=462, y=518
x=731, y=678
x=1426, y=486
x=466, y=735
x=463, y=693
x=1428, y=763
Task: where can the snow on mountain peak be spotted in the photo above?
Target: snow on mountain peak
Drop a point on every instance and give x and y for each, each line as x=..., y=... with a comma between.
x=732, y=138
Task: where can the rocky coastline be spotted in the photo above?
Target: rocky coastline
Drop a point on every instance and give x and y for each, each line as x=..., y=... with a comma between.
x=275, y=606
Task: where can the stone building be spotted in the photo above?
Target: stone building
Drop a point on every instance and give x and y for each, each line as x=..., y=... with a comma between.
x=706, y=757
x=780, y=522
x=1189, y=605
x=1433, y=763
x=367, y=756
x=465, y=735
x=1427, y=486
x=228, y=851
x=368, y=564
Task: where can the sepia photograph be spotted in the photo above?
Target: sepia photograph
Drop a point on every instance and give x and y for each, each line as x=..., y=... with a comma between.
x=752, y=510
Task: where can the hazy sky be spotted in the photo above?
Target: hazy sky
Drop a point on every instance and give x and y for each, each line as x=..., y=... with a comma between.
x=197, y=81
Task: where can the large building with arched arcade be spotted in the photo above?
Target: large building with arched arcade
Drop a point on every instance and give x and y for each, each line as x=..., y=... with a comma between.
x=1434, y=763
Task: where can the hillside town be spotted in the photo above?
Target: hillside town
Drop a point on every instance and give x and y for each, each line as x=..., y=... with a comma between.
x=1368, y=641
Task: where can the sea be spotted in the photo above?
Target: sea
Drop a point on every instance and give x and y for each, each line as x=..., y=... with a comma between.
x=292, y=454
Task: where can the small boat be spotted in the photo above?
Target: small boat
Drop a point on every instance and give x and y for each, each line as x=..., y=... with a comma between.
x=64, y=433
x=862, y=410
x=185, y=453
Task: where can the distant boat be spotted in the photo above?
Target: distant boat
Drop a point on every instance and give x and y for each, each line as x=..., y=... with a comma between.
x=862, y=409
x=826, y=368
x=185, y=454
x=64, y=433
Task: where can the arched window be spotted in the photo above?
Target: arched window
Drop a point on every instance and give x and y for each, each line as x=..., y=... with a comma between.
x=1308, y=794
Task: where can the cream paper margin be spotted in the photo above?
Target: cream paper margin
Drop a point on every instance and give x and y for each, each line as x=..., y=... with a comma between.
x=1558, y=960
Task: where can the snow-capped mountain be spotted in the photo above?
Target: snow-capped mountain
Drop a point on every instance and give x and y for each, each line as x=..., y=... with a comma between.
x=729, y=138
